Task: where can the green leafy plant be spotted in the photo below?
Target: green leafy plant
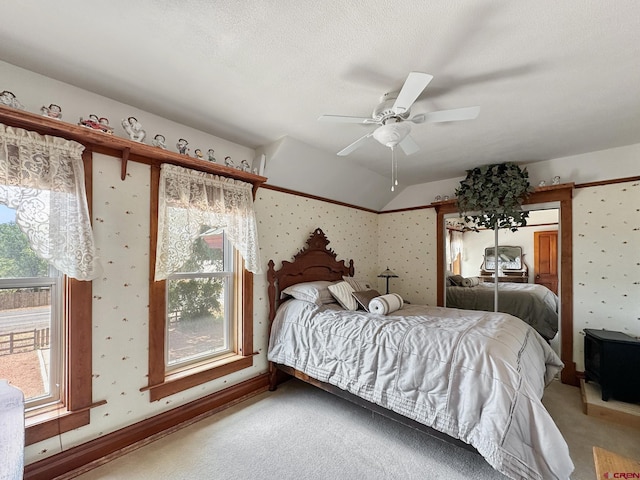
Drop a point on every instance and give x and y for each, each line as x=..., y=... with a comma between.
x=17, y=259
x=198, y=297
x=496, y=192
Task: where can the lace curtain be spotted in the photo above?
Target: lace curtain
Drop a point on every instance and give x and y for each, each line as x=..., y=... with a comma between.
x=454, y=247
x=42, y=178
x=188, y=200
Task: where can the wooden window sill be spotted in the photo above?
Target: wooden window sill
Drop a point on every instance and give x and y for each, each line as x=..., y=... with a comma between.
x=197, y=375
x=46, y=423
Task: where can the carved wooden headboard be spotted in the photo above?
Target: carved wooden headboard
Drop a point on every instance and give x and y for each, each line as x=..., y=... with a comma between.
x=314, y=262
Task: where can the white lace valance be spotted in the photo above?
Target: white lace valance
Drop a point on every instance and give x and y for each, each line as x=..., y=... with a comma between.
x=42, y=178
x=188, y=200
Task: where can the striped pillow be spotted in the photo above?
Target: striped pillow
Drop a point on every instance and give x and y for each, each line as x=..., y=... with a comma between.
x=386, y=304
x=357, y=284
x=342, y=291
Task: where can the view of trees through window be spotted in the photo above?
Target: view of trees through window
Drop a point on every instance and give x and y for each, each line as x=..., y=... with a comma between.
x=17, y=259
x=26, y=312
x=197, y=301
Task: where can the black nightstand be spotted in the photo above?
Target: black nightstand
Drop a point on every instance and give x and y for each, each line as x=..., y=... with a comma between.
x=612, y=359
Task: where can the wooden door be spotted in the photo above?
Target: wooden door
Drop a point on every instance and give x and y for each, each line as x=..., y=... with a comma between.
x=545, y=259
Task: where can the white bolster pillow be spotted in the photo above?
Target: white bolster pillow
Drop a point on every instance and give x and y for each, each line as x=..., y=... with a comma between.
x=385, y=304
x=470, y=282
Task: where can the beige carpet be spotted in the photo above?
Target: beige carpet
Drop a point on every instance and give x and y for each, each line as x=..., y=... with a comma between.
x=300, y=432
x=583, y=432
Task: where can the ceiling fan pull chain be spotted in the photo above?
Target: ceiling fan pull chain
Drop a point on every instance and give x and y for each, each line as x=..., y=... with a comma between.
x=393, y=169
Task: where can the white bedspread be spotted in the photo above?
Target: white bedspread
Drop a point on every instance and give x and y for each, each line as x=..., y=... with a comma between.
x=477, y=376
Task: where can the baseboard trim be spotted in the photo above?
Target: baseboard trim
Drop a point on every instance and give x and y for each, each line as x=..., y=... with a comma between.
x=91, y=454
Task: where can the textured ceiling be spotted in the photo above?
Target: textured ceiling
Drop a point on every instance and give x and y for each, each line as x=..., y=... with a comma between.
x=552, y=78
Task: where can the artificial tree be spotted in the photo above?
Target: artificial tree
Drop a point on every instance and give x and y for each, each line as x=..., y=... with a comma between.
x=491, y=197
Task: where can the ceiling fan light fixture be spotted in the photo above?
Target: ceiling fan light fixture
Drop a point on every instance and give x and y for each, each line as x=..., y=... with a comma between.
x=391, y=134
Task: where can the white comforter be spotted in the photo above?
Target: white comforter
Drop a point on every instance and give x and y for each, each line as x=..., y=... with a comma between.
x=477, y=376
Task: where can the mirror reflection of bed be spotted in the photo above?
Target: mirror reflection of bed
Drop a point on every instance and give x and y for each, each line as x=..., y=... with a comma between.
x=527, y=265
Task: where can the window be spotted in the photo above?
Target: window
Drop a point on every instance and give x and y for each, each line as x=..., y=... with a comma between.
x=37, y=306
x=200, y=303
x=42, y=193
x=201, y=299
x=30, y=317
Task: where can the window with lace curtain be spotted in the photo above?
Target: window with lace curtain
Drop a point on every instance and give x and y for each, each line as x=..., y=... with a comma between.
x=200, y=302
x=46, y=250
x=455, y=245
x=206, y=249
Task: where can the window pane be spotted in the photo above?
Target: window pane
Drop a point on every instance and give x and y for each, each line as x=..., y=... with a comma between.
x=197, y=323
x=208, y=252
x=29, y=349
x=25, y=339
x=17, y=260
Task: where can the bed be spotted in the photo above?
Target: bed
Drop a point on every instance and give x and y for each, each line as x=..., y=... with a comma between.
x=474, y=378
x=533, y=303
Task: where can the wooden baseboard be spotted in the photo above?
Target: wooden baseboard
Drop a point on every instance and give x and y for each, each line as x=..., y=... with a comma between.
x=89, y=454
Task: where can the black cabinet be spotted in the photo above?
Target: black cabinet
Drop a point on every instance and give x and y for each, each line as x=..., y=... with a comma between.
x=612, y=359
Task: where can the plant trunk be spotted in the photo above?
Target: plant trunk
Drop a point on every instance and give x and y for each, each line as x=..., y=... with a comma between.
x=496, y=270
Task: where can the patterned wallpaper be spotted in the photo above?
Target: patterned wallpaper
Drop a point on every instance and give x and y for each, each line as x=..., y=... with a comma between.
x=286, y=221
x=407, y=245
x=606, y=261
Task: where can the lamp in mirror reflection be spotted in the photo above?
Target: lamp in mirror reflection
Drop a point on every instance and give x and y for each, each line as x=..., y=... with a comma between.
x=387, y=274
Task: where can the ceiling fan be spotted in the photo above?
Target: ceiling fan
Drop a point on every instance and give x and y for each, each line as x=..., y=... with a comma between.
x=392, y=115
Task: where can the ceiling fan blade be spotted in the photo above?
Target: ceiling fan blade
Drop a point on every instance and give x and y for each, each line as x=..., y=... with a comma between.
x=344, y=119
x=408, y=145
x=350, y=148
x=413, y=86
x=419, y=118
x=467, y=113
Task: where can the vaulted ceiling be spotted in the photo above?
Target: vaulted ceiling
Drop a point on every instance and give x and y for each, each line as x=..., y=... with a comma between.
x=552, y=79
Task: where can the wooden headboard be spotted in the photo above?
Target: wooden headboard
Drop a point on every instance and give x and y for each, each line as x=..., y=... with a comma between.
x=314, y=262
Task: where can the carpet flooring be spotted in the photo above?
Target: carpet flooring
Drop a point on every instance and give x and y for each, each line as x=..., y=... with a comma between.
x=300, y=432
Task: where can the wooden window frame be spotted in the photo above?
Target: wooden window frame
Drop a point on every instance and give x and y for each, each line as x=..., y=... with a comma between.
x=162, y=383
x=73, y=409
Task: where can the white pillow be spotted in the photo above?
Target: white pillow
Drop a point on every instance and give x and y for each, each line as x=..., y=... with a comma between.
x=342, y=292
x=386, y=304
x=314, y=292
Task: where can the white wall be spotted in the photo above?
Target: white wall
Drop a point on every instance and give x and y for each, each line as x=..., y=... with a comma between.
x=34, y=91
x=297, y=166
x=621, y=162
